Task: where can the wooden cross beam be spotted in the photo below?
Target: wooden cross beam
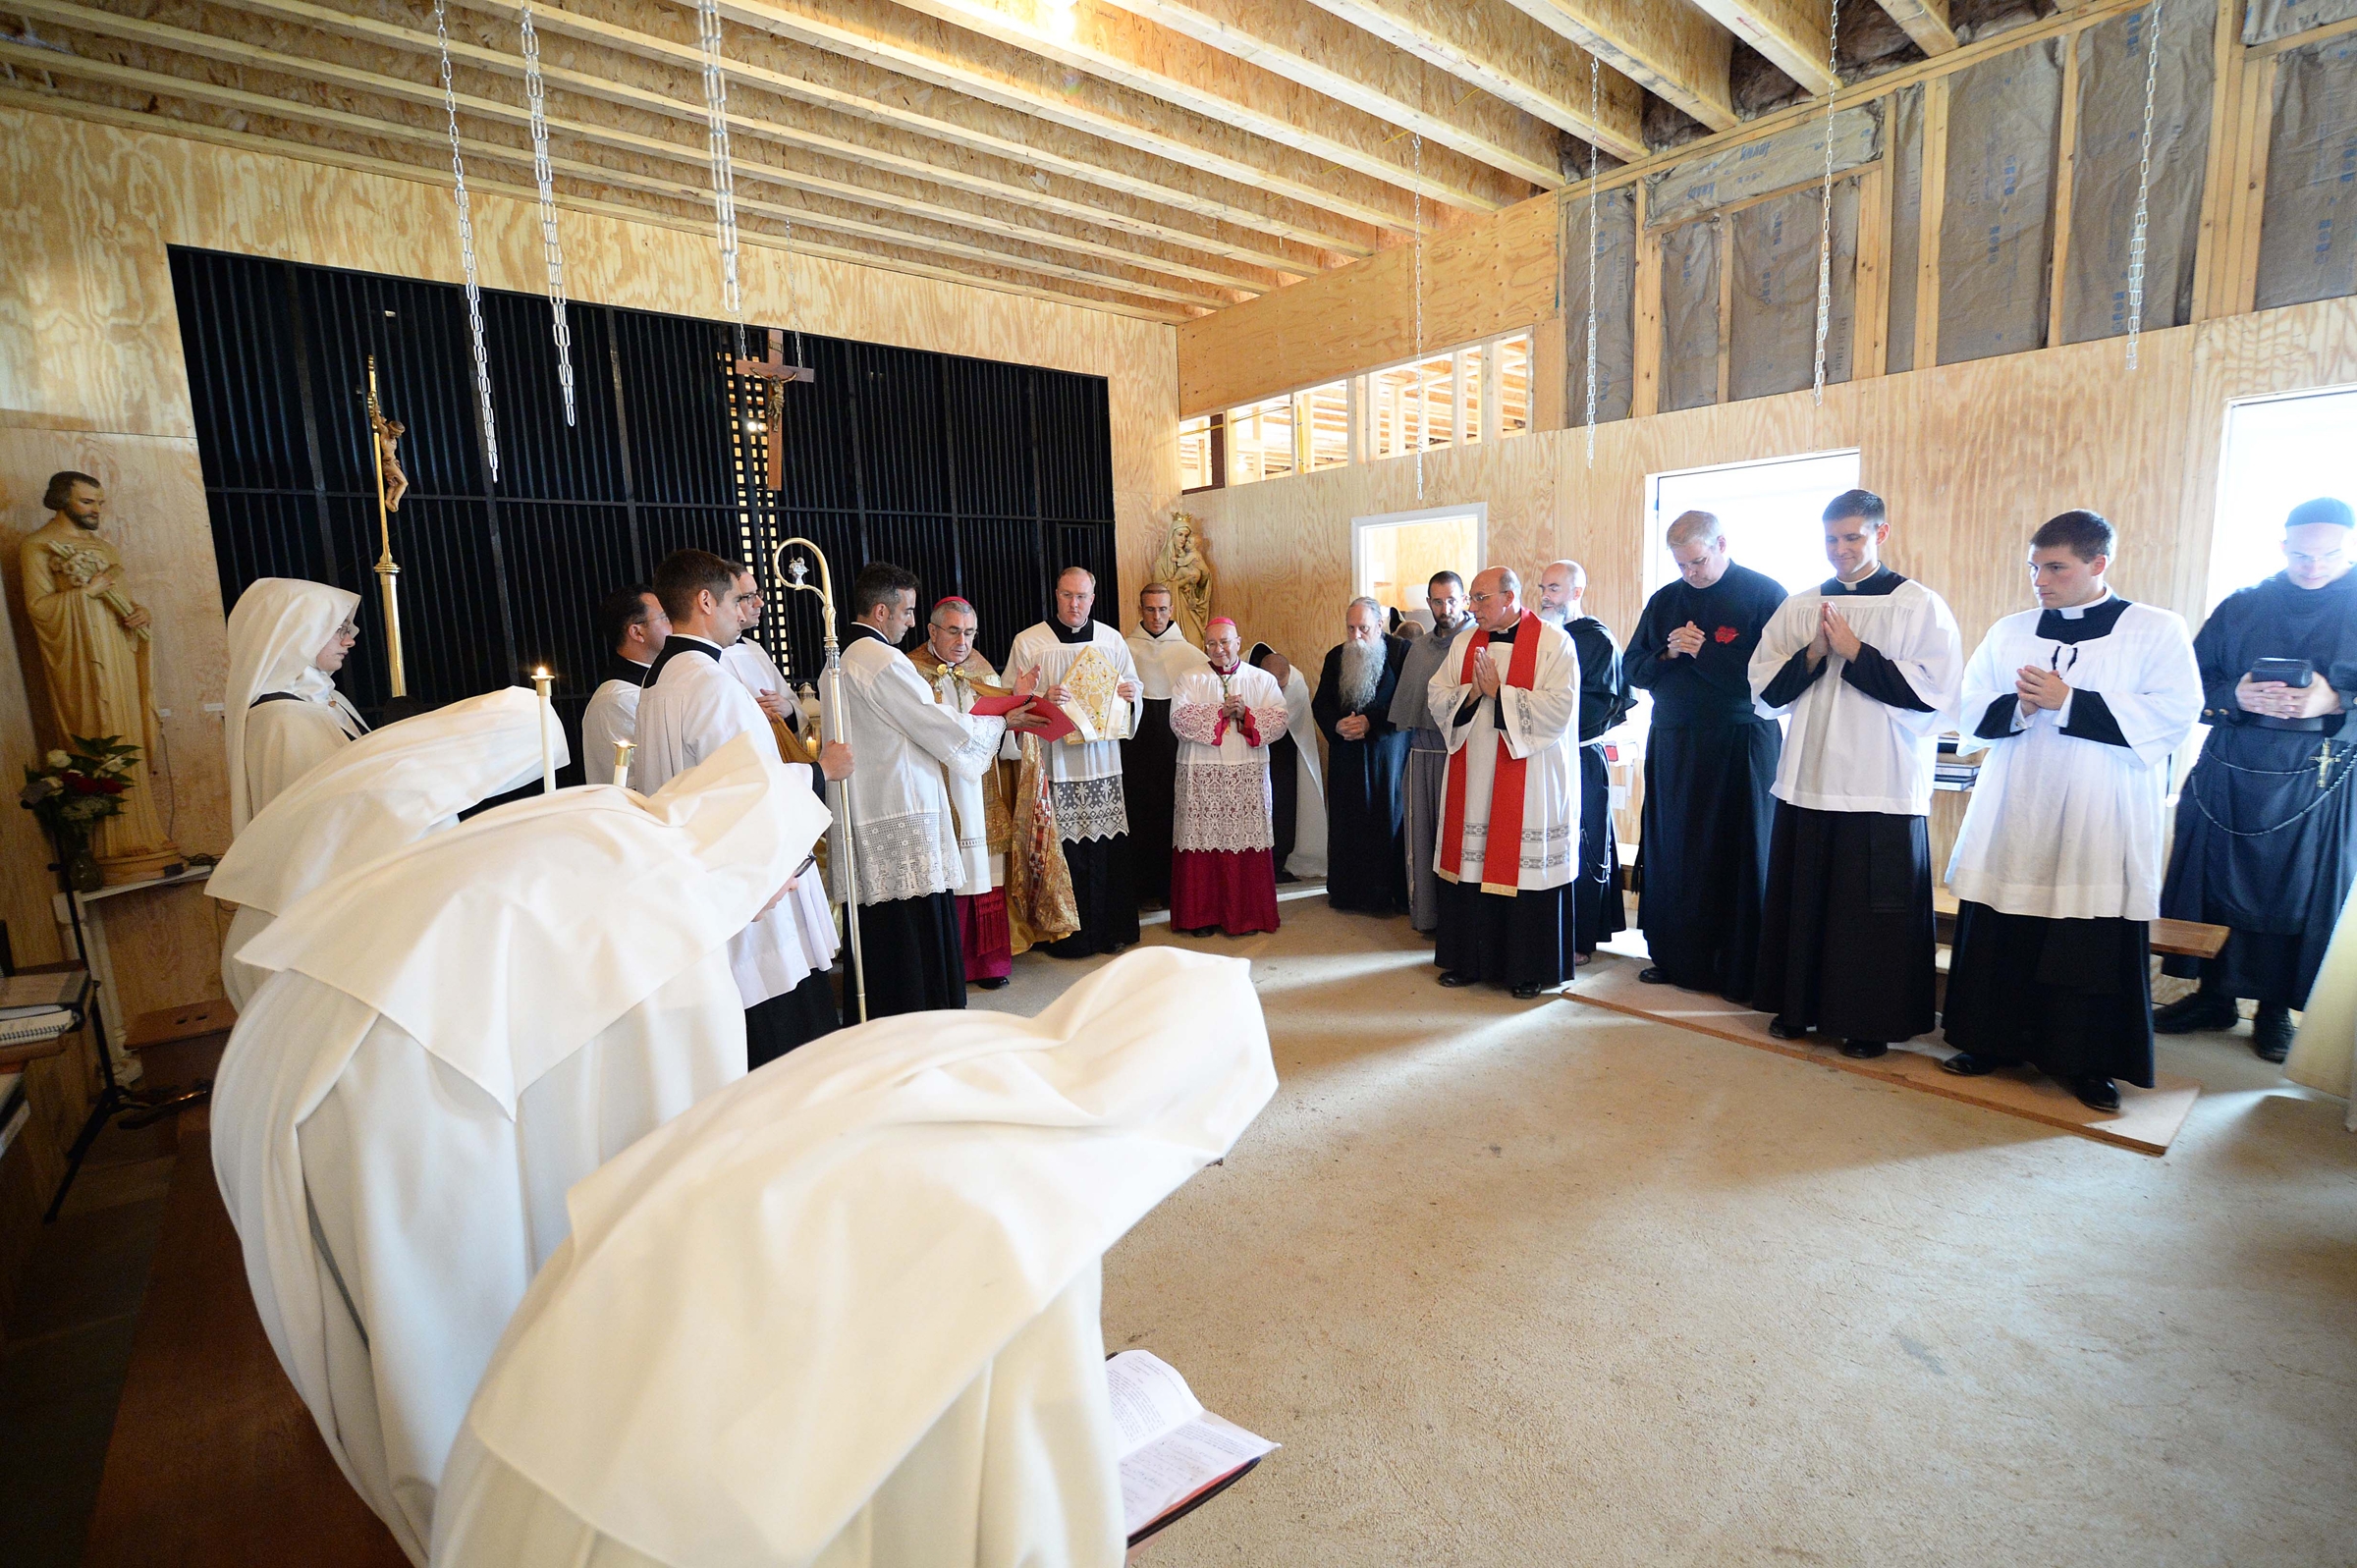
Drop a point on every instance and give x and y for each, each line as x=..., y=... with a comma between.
x=776, y=373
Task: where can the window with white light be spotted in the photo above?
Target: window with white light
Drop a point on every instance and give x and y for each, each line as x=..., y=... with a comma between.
x=2280, y=452
x=1772, y=512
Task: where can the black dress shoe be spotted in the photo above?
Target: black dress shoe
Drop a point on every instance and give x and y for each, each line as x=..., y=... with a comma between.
x=1452, y=979
x=1964, y=1065
x=995, y=982
x=2272, y=1032
x=1864, y=1050
x=2202, y=1012
x=1655, y=975
x=1528, y=993
x=1783, y=1029
x=2095, y=1093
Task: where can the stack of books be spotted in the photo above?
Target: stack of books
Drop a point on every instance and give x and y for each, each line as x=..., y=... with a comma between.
x=1953, y=772
x=40, y=1007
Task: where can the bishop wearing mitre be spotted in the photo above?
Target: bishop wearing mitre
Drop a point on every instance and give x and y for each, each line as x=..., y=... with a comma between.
x=451, y=1038
x=1223, y=860
x=379, y=794
x=961, y=678
x=845, y=1314
x=1506, y=701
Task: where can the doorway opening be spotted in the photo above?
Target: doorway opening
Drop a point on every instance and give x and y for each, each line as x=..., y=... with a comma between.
x=1395, y=555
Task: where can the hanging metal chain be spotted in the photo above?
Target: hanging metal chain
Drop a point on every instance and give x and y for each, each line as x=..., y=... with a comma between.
x=552, y=249
x=475, y=293
x=2144, y=182
x=1594, y=105
x=1423, y=396
x=1824, y=222
x=724, y=180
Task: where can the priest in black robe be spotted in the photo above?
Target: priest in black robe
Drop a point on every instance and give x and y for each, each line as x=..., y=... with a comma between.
x=1150, y=758
x=1871, y=667
x=1366, y=763
x=1710, y=759
x=2264, y=845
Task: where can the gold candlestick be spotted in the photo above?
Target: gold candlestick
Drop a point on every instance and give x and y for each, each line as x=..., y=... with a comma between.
x=622, y=761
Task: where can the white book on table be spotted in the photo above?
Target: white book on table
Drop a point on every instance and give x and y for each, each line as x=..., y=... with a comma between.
x=1172, y=1451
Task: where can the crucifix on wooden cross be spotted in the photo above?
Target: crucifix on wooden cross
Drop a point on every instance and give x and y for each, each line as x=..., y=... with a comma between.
x=775, y=372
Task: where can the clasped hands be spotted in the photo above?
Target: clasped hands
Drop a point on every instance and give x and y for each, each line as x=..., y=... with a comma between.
x=2273, y=700
x=1834, y=636
x=1486, y=674
x=1352, y=726
x=2040, y=689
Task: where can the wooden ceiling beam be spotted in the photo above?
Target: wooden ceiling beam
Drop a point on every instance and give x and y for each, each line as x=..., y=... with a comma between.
x=1010, y=76
x=235, y=52
x=1330, y=52
x=1107, y=42
x=1496, y=47
x=1926, y=22
x=438, y=175
x=1668, y=47
x=668, y=99
x=1792, y=33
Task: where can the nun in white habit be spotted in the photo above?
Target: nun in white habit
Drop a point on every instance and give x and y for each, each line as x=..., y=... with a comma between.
x=450, y=1039
x=379, y=794
x=281, y=712
x=845, y=1313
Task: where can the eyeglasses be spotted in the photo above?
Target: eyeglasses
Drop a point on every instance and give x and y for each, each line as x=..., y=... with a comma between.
x=1485, y=598
x=349, y=631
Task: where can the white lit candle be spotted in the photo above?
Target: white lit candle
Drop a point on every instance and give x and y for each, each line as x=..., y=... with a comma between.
x=622, y=761
x=542, y=681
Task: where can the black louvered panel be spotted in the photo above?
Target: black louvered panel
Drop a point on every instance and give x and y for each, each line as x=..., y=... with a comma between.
x=540, y=456
x=1075, y=468
x=899, y=395
x=454, y=621
x=789, y=628
x=244, y=380
x=987, y=425
x=821, y=427
x=675, y=409
x=561, y=560
x=664, y=528
x=924, y=545
x=1005, y=578
x=261, y=533
x=425, y=379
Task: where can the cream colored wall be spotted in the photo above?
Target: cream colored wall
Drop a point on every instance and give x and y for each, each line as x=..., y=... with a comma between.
x=91, y=375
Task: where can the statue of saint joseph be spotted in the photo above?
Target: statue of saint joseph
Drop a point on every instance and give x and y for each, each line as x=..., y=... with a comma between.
x=95, y=642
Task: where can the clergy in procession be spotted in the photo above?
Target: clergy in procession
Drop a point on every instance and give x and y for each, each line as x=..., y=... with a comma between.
x=283, y=714
x=2267, y=823
x=1298, y=783
x=1227, y=718
x=631, y=627
x=751, y=662
x=847, y=1311
x=910, y=744
x=1427, y=747
x=381, y=793
x=1150, y=758
x=1081, y=665
x=690, y=708
x=1604, y=699
x=2056, y=871
x=1871, y=667
x=1366, y=765
x=1507, y=698
x=1710, y=760
x=450, y=1039
x=961, y=678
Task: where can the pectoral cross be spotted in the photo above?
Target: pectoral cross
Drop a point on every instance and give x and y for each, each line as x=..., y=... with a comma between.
x=2323, y=763
x=775, y=372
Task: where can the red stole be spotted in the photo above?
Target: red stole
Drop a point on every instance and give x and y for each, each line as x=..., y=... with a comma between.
x=1502, y=858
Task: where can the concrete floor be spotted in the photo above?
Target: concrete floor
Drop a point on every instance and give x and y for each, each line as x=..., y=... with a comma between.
x=1522, y=1283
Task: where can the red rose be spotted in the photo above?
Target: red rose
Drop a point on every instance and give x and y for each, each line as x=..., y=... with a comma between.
x=1726, y=634
x=110, y=786
x=81, y=784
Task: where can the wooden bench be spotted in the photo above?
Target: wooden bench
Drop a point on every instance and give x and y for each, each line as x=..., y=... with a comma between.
x=180, y=1048
x=2171, y=939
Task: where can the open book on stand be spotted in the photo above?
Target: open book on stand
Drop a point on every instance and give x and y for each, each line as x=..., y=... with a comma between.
x=1176, y=1455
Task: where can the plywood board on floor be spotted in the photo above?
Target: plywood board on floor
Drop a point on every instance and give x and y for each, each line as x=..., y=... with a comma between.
x=2147, y=1118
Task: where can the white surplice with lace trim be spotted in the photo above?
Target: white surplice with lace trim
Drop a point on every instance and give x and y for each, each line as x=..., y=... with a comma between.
x=1223, y=799
x=905, y=742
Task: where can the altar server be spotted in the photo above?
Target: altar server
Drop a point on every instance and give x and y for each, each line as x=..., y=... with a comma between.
x=750, y=662
x=2267, y=823
x=283, y=714
x=910, y=863
x=1084, y=776
x=451, y=1038
x=1150, y=758
x=962, y=680
x=631, y=628
x=1710, y=762
x=1366, y=760
x=1870, y=665
x=1227, y=718
x=2080, y=704
x=380, y=794
x=1427, y=746
x=1507, y=697
x=691, y=709
x=847, y=1313
x=1297, y=783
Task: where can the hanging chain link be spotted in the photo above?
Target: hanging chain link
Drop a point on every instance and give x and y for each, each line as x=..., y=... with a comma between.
x=474, y=294
x=724, y=180
x=2144, y=182
x=552, y=248
x=1824, y=222
x=1594, y=105
x=1423, y=396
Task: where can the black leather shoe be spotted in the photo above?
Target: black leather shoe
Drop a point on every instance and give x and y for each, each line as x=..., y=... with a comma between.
x=995, y=983
x=1452, y=979
x=2202, y=1012
x=1527, y=992
x=1964, y=1065
x=1653, y=975
x=1788, y=1031
x=1864, y=1050
x=2272, y=1032
x=2095, y=1093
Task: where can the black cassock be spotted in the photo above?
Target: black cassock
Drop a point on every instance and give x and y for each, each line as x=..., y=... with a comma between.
x=1149, y=788
x=2264, y=832
x=1710, y=759
x=1604, y=699
x=1367, y=805
x=915, y=957
x=1285, y=781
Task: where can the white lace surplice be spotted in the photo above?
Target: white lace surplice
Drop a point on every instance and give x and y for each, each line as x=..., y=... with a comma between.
x=1084, y=781
x=904, y=741
x=1223, y=795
